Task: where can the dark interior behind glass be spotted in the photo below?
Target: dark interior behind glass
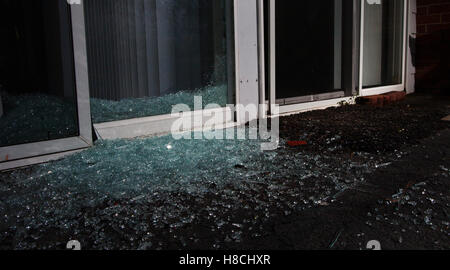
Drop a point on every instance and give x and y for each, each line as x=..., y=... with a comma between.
x=309, y=47
x=37, y=78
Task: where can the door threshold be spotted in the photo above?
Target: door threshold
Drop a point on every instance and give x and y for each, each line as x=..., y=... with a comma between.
x=310, y=98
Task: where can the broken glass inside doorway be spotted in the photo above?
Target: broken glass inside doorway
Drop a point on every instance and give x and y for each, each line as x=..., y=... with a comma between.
x=37, y=84
x=146, y=56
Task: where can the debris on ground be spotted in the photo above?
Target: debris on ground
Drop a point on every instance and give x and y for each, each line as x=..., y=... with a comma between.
x=297, y=143
x=34, y=118
x=366, y=173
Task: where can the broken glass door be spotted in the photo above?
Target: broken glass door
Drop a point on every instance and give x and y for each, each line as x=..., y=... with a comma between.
x=146, y=56
x=38, y=96
x=41, y=93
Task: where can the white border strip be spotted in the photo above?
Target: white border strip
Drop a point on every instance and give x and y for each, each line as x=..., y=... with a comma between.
x=35, y=160
x=162, y=125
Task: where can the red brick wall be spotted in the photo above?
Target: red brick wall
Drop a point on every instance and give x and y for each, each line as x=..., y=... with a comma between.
x=433, y=46
x=432, y=16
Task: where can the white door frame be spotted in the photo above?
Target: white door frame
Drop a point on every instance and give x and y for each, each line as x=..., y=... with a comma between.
x=294, y=108
x=286, y=108
x=263, y=109
x=39, y=152
x=272, y=58
x=383, y=89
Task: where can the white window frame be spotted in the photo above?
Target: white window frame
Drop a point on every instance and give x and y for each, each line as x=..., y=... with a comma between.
x=313, y=105
x=39, y=152
x=383, y=89
x=286, y=108
x=243, y=83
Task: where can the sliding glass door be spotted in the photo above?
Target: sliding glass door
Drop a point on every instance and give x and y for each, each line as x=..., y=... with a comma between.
x=332, y=49
x=383, y=43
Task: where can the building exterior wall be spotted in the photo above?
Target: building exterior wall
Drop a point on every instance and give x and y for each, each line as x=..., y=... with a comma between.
x=432, y=16
x=433, y=41
x=1, y=105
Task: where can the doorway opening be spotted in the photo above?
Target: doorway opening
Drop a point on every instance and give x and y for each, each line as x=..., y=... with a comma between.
x=311, y=47
x=383, y=46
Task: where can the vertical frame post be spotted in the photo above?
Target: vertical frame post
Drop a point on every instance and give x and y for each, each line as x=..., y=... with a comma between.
x=384, y=89
x=412, y=33
x=247, y=68
x=262, y=60
x=272, y=59
x=81, y=71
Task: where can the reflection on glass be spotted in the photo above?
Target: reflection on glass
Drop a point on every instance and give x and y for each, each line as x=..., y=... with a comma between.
x=309, y=47
x=37, y=92
x=147, y=55
x=383, y=43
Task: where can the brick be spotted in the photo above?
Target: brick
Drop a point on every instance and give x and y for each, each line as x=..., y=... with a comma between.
x=421, y=29
x=439, y=9
x=381, y=100
x=445, y=18
x=430, y=2
x=429, y=19
x=422, y=11
x=437, y=27
x=375, y=100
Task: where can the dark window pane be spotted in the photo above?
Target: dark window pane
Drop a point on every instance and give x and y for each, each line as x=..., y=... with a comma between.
x=309, y=47
x=37, y=95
